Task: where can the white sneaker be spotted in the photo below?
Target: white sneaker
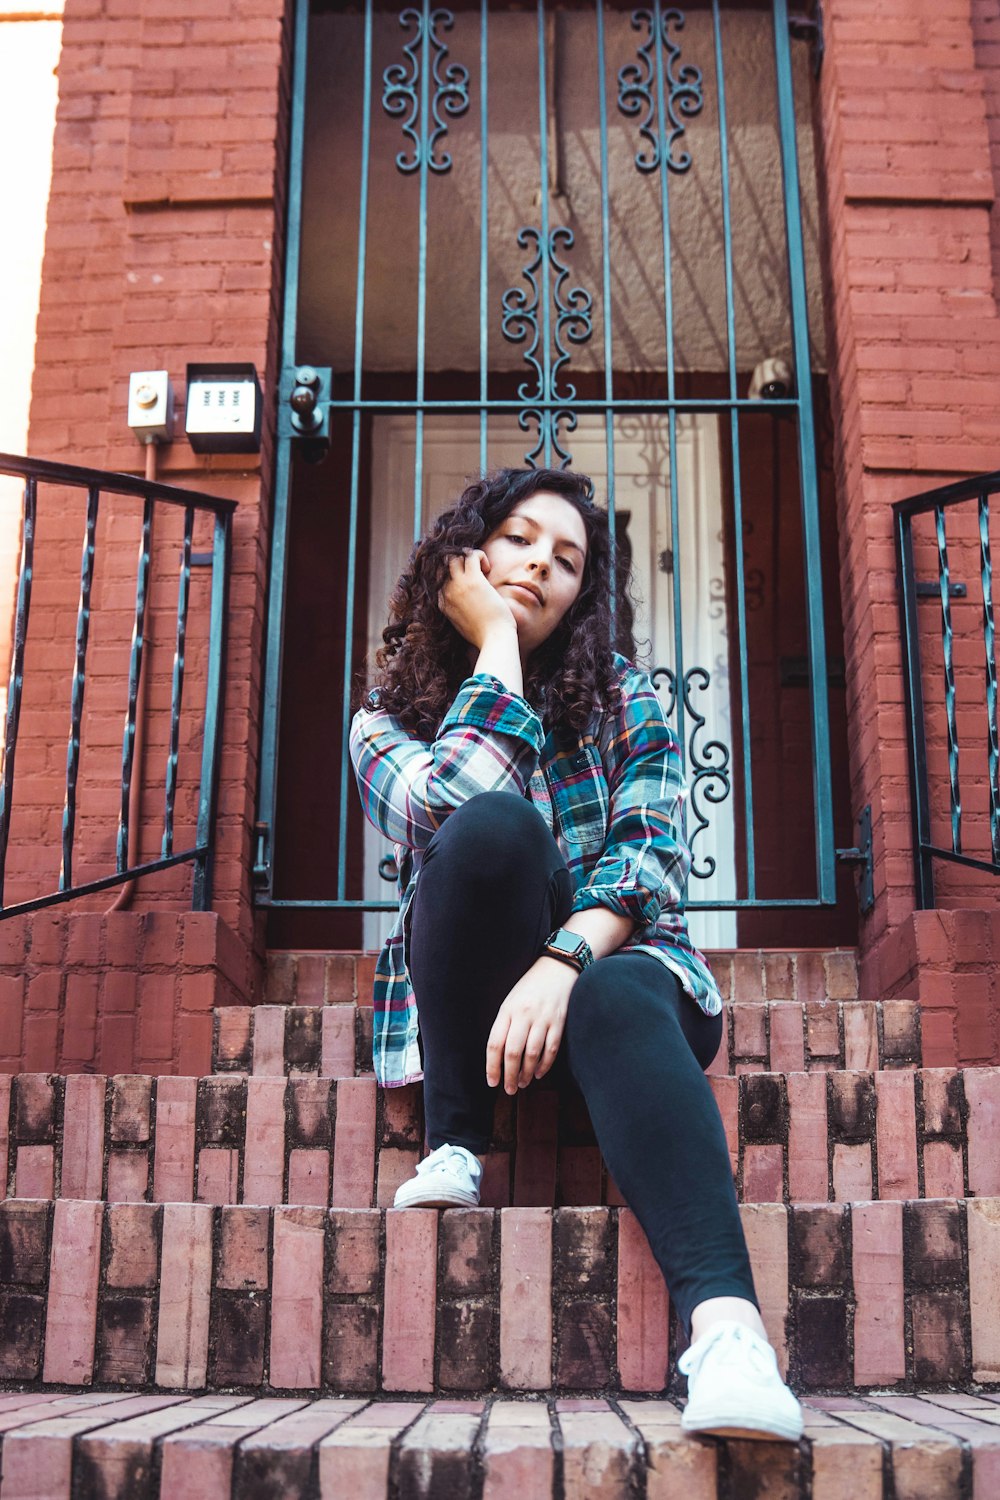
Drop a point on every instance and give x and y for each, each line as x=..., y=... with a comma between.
x=448, y=1178
x=734, y=1388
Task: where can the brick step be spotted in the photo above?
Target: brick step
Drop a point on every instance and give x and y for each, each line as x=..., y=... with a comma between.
x=181, y=1296
x=335, y=1040
x=335, y=976
x=797, y=1137
x=141, y=1447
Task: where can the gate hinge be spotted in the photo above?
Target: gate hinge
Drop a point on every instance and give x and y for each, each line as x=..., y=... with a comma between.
x=262, y=860
x=862, y=857
x=304, y=409
x=810, y=29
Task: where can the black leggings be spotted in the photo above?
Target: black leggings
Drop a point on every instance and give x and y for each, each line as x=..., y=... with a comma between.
x=492, y=886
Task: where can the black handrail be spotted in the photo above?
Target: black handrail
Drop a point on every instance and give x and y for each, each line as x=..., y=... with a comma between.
x=37, y=473
x=980, y=489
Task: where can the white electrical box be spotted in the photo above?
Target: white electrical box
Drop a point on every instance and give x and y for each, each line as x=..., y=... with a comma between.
x=151, y=405
x=223, y=408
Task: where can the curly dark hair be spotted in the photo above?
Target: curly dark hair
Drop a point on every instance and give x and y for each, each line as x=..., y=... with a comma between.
x=424, y=660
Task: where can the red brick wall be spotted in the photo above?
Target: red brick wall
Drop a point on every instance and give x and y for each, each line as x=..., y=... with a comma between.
x=163, y=246
x=915, y=337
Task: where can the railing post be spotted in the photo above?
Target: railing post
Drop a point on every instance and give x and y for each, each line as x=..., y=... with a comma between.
x=923, y=870
x=214, y=694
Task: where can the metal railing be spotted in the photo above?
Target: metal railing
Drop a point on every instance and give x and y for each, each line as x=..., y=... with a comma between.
x=96, y=483
x=972, y=543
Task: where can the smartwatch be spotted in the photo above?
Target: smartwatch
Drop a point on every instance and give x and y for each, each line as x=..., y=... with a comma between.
x=569, y=948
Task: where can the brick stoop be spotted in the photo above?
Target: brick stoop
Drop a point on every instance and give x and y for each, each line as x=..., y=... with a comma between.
x=144, y=1447
x=203, y=1293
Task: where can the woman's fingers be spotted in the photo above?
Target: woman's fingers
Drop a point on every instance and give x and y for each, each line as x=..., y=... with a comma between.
x=534, y=1048
x=552, y=1040
x=495, y=1047
x=513, y=1052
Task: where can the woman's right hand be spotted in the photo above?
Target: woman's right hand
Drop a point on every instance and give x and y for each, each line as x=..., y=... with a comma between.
x=470, y=602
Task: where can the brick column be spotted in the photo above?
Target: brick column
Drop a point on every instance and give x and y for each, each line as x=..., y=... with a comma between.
x=906, y=187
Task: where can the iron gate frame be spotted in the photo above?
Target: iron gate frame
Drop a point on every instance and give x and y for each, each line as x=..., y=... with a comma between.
x=294, y=426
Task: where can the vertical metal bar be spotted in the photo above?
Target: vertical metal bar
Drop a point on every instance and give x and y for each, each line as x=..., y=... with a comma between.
x=177, y=689
x=211, y=749
x=727, y=223
x=661, y=151
x=668, y=311
x=484, y=189
x=923, y=869
x=734, y=433
x=267, y=795
x=609, y=415
x=296, y=155
x=418, y=446
x=947, y=649
x=21, y=613
x=352, y=559
x=76, y=693
x=547, y=417
x=822, y=789
x=989, y=643
x=675, y=579
x=134, y=675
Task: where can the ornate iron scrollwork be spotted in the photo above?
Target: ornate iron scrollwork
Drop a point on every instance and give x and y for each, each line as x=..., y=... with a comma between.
x=520, y=316
x=573, y=322
x=549, y=423
x=684, y=97
x=574, y=308
x=708, y=763
x=401, y=82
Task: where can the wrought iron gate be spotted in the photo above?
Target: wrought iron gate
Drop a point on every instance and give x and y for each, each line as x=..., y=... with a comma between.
x=547, y=316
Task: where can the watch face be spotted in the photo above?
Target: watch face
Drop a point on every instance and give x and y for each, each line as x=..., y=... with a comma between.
x=566, y=942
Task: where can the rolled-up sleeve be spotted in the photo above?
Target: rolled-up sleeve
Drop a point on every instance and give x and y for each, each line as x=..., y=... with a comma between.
x=644, y=865
x=489, y=741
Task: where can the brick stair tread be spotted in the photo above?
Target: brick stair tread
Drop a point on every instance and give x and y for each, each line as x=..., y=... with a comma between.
x=747, y=974
x=132, y=1445
x=180, y=1296
x=805, y=974
x=334, y=1038
x=797, y=1137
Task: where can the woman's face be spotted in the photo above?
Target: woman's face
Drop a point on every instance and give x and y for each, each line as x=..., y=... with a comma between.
x=537, y=559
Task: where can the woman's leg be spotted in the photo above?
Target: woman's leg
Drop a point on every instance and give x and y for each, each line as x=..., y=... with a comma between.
x=492, y=886
x=637, y=1046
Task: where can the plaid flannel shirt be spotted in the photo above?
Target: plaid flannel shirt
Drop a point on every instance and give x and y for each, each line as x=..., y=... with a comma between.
x=610, y=796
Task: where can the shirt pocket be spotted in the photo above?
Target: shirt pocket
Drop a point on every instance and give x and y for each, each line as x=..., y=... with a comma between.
x=580, y=796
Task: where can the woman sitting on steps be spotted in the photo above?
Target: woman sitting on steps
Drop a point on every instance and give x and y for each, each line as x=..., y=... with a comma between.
x=525, y=772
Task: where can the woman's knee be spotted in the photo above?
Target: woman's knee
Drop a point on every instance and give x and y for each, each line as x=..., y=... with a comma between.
x=595, y=1006
x=489, y=833
x=618, y=1003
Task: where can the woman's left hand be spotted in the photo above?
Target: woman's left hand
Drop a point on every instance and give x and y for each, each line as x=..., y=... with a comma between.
x=529, y=1025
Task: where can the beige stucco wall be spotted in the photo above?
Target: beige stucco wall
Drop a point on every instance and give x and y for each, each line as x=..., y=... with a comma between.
x=30, y=37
